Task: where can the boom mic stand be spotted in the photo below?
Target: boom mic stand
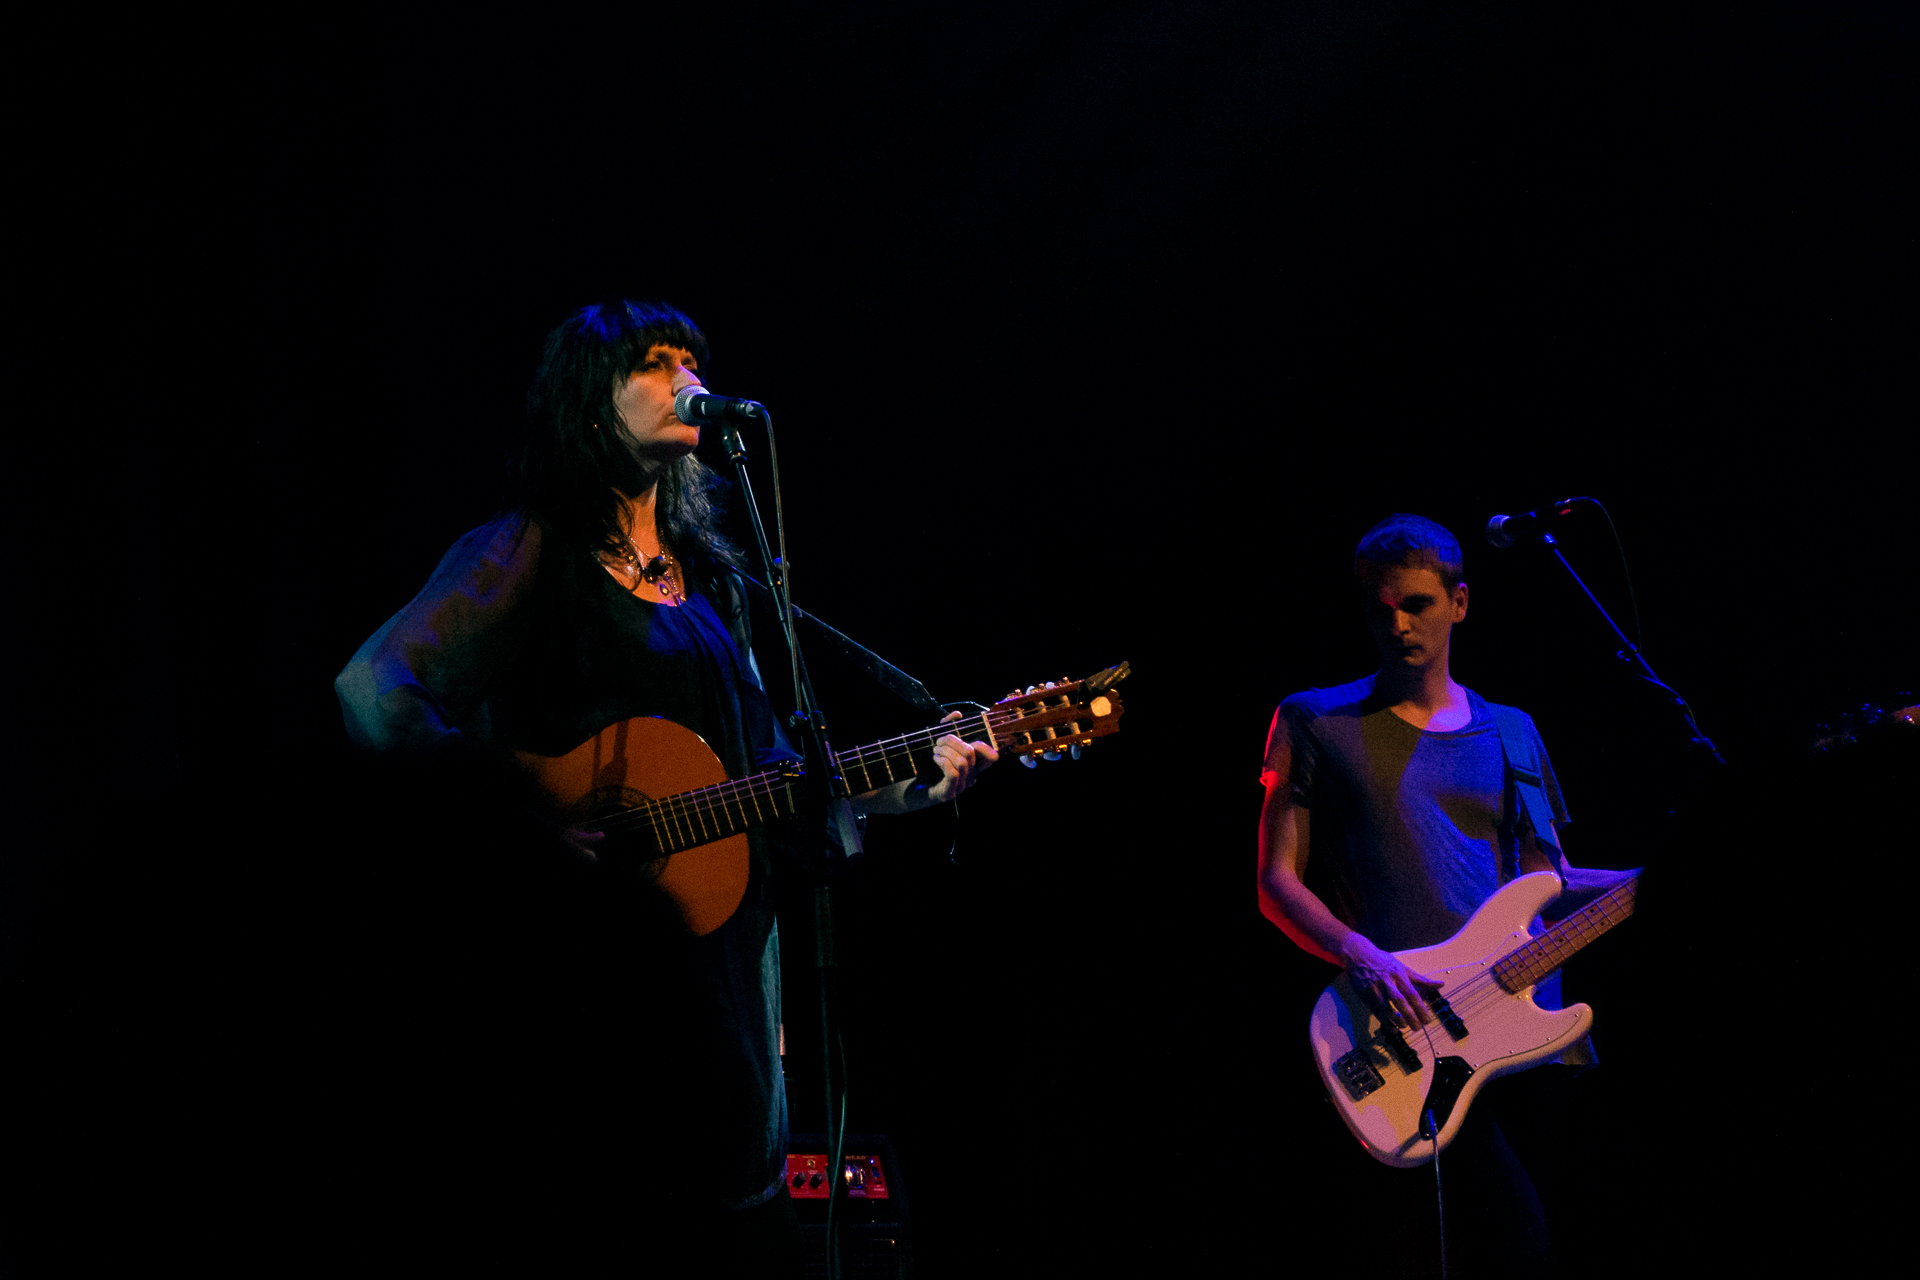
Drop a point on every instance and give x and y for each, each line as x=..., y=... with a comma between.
x=1704, y=752
x=821, y=799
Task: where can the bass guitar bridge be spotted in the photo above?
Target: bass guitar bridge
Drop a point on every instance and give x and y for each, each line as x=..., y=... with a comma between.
x=1357, y=1073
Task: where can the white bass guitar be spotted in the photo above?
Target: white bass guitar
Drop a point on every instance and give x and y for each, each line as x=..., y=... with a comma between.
x=1383, y=1080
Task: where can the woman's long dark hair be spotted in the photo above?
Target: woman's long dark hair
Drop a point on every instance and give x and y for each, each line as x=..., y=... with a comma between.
x=575, y=463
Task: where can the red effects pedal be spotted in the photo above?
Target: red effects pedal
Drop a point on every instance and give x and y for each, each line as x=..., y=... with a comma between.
x=807, y=1177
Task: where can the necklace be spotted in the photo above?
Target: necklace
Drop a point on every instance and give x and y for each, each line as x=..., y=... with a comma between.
x=660, y=571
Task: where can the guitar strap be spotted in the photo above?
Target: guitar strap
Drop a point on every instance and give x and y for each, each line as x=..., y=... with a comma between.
x=815, y=632
x=1529, y=790
x=1523, y=772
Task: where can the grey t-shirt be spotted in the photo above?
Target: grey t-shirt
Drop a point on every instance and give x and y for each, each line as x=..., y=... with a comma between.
x=1412, y=829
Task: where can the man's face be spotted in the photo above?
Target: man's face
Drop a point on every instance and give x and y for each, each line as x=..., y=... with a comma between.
x=645, y=402
x=1411, y=616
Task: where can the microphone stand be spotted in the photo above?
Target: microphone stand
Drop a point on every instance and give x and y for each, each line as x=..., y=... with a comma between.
x=1704, y=752
x=822, y=789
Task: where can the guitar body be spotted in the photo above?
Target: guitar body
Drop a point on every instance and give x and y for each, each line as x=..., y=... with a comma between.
x=640, y=760
x=657, y=793
x=1375, y=1083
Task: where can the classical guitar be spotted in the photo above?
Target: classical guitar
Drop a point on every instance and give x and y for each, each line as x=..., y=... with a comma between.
x=1383, y=1080
x=657, y=785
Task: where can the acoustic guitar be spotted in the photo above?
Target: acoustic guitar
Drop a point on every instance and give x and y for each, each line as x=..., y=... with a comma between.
x=1383, y=1080
x=651, y=783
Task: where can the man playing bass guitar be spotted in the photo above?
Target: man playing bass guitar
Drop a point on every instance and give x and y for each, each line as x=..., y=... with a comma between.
x=1390, y=817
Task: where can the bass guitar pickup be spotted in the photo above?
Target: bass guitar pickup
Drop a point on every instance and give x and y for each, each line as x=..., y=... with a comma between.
x=1390, y=1036
x=1448, y=1018
x=1397, y=1045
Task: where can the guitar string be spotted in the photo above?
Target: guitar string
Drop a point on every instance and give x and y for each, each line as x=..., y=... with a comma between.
x=1473, y=995
x=1551, y=949
x=1528, y=963
x=1009, y=718
x=1483, y=991
x=706, y=814
x=691, y=809
x=1533, y=960
x=1481, y=1000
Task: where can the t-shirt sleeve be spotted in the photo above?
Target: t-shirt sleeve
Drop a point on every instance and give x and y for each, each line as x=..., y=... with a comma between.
x=1292, y=751
x=422, y=679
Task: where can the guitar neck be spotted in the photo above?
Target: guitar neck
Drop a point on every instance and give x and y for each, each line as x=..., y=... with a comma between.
x=881, y=764
x=1537, y=957
x=1051, y=719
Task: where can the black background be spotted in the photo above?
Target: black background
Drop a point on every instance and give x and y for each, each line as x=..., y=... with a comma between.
x=1092, y=332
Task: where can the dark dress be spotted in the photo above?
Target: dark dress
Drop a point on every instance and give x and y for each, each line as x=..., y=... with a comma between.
x=521, y=642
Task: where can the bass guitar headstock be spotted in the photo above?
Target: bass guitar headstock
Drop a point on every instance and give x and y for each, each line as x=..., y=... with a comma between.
x=1062, y=715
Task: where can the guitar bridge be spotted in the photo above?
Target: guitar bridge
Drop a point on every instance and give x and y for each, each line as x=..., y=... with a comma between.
x=1357, y=1073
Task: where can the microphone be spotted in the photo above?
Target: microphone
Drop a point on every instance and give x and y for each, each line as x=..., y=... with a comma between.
x=1504, y=531
x=696, y=406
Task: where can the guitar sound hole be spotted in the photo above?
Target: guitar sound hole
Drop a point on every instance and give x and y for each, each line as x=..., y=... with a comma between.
x=627, y=841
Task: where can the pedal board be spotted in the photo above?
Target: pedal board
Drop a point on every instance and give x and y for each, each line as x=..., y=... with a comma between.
x=876, y=1238
x=865, y=1176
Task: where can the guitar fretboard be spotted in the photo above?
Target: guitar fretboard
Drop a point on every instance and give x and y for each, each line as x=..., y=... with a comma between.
x=870, y=768
x=694, y=818
x=1537, y=957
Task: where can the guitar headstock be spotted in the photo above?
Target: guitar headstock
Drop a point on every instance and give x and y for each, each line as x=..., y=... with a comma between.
x=1066, y=714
